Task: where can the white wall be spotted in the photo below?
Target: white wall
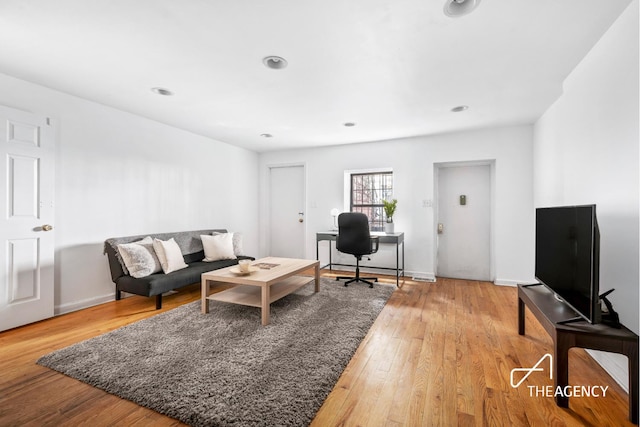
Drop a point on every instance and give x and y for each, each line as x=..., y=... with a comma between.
x=586, y=151
x=412, y=161
x=118, y=174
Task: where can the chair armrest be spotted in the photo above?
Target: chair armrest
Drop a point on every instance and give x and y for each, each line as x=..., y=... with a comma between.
x=376, y=240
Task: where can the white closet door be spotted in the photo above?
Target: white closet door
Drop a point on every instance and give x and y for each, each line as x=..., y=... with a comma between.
x=286, y=212
x=26, y=223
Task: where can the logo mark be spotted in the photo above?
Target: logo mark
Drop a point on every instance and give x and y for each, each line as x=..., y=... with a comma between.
x=529, y=371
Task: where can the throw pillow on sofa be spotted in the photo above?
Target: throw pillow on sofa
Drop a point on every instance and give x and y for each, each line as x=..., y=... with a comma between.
x=169, y=254
x=140, y=258
x=217, y=247
x=238, y=250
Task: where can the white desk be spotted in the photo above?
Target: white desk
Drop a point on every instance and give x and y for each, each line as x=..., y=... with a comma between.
x=393, y=238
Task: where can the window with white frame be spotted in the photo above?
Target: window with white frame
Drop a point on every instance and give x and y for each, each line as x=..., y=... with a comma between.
x=368, y=190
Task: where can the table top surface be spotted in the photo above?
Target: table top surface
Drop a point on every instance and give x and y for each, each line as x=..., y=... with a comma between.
x=270, y=269
x=556, y=311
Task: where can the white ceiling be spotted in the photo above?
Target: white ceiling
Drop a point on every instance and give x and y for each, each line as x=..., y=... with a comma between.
x=394, y=67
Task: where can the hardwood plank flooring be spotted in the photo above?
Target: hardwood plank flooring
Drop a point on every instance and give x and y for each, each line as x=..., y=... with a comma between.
x=439, y=354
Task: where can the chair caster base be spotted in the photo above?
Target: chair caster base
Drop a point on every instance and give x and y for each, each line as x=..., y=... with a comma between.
x=369, y=280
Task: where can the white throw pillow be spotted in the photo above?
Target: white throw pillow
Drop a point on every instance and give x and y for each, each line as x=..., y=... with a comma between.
x=217, y=247
x=238, y=250
x=169, y=254
x=140, y=258
x=237, y=244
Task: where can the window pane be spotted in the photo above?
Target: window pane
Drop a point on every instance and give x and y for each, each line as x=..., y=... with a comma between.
x=367, y=193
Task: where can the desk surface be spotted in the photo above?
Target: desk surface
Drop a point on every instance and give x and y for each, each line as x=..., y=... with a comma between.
x=384, y=237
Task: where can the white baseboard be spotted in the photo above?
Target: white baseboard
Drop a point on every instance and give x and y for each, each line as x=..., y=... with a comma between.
x=615, y=364
x=507, y=282
x=421, y=276
x=79, y=305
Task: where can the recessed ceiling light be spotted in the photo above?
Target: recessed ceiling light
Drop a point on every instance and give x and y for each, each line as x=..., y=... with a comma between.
x=274, y=62
x=266, y=135
x=456, y=8
x=349, y=124
x=460, y=108
x=161, y=91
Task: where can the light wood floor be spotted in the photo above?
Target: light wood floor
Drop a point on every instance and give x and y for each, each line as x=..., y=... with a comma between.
x=439, y=354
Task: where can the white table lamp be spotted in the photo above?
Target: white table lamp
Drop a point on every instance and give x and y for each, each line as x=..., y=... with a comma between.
x=334, y=213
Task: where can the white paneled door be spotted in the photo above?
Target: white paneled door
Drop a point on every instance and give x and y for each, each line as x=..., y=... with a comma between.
x=286, y=212
x=26, y=225
x=464, y=222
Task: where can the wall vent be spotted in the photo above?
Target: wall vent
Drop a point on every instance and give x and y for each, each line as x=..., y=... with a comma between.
x=423, y=279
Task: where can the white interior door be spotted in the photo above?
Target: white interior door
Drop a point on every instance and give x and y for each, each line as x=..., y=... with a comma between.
x=26, y=223
x=464, y=222
x=286, y=212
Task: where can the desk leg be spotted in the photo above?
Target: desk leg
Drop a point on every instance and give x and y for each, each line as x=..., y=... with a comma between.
x=330, y=262
x=521, y=315
x=317, y=274
x=398, y=264
x=561, y=344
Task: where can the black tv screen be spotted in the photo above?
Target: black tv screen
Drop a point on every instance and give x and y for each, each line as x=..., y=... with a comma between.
x=567, y=256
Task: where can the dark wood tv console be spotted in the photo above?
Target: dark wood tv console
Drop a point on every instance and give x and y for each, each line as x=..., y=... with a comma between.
x=548, y=310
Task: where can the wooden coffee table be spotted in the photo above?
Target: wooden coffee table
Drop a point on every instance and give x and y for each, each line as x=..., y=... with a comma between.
x=263, y=286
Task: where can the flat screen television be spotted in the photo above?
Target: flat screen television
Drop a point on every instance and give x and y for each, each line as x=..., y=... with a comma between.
x=568, y=256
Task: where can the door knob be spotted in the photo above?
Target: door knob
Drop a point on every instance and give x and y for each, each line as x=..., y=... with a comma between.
x=46, y=227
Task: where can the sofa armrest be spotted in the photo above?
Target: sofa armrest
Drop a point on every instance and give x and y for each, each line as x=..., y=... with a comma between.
x=115, y=267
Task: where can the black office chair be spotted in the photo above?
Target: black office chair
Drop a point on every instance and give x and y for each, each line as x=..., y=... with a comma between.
x=354, y=238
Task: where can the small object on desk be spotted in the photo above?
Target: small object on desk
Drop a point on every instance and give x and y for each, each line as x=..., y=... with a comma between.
x=334, y=213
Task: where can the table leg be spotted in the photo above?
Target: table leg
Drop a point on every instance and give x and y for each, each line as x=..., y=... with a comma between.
x=521, y=315
x=631, y=350
x=205, y=294
x=265, y=304
x=562, y=344
x=317, y=273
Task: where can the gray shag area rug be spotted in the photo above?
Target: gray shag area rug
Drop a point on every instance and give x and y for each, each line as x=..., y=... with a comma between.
x=225, y=369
